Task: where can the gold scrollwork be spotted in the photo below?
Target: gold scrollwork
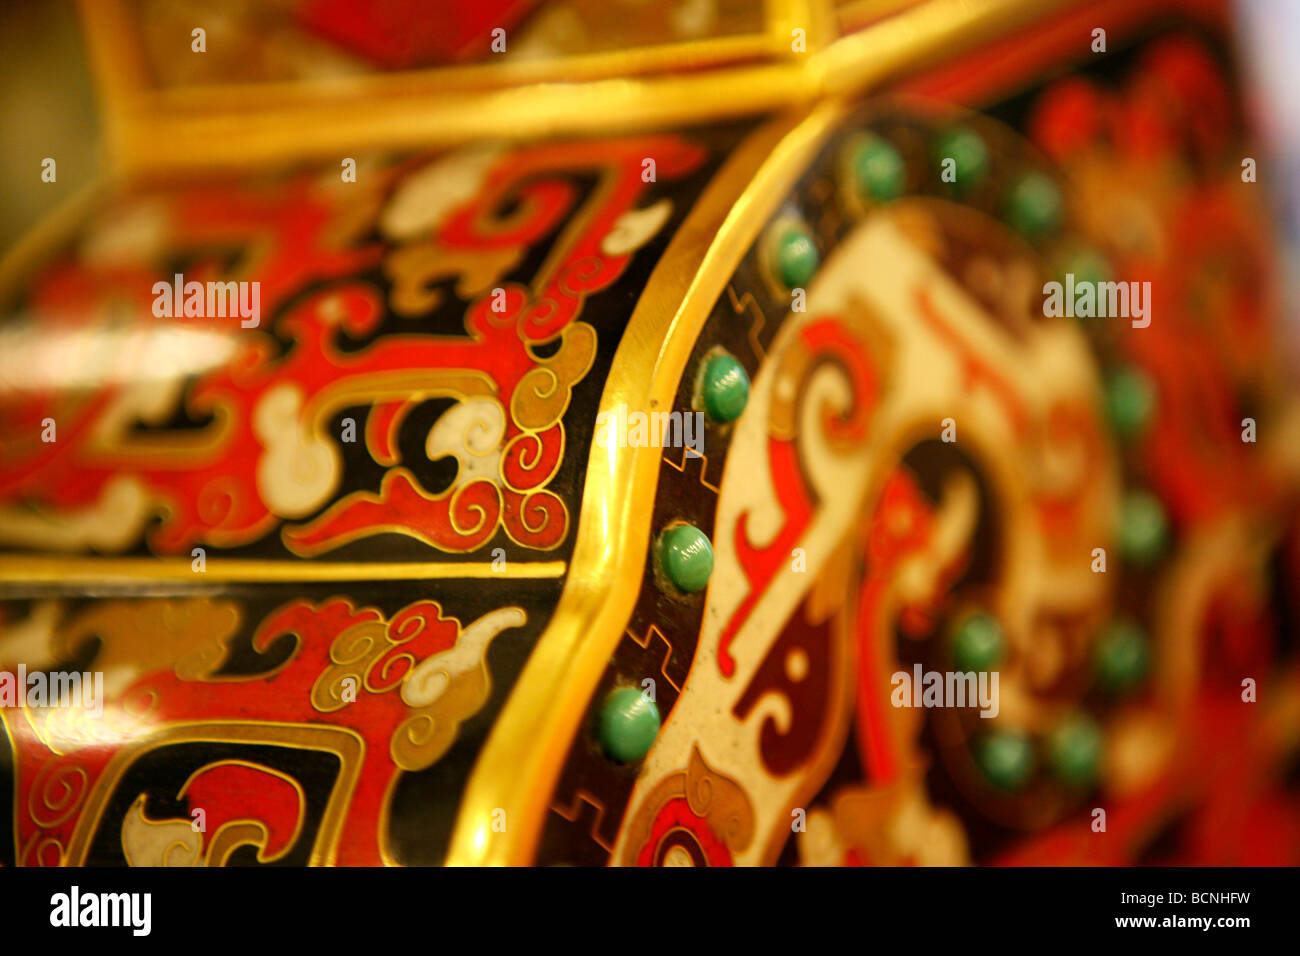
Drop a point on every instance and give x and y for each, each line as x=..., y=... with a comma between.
x=543, y=393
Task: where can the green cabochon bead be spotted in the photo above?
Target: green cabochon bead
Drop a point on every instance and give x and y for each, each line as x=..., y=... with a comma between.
x=878, y=170
x=629, y=723
x=977, y=643
x=1074, y=750
x=1143, y=529
x=725, y=388
x=1130, y=398
x=686, y=557
x=967, y=150
x=1122, y=655
x=1034, y=205
x=796, y=257
x=1007, y=758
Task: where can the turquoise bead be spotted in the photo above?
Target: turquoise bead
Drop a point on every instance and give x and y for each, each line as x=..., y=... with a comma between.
x=796, y=257
x=1034, y=205
x=724, y=388
x=1130, y=399
x=1122, y=655
x=970, y=155
x=1143, y=528
x=1007, y=758
x=977, y=643
x=878, y=170
x=629, y=723
x=686, y=557
x=1074, y=750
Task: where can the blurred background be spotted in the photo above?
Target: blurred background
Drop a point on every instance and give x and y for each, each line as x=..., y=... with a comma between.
x=47, y=108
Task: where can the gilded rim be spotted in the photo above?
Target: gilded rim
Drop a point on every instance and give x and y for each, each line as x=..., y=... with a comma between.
x=517, y=769
x=605, y=93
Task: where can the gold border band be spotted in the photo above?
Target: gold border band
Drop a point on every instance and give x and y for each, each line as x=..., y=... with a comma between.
x=23, y=569
x=249, y=124
x=521, y=760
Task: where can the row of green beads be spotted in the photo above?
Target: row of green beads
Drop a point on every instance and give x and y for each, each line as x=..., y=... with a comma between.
x=1121, y=656
x=1074, y=747
x=685, y=554
x=1033, y=203
x=1073, y=751
x=879, y=174
x=629, y=720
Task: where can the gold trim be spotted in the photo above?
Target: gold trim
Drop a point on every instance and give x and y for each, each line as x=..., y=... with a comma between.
x=518, y=766
x=56, y=569
x=918, y=37
x=606, y=93
x=853, y=15
x=117, y=63
x=343, y=742
x=423, y=117
x=597, y=65
x=815, y=17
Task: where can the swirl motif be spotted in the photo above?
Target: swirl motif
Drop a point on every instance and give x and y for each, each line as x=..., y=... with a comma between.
x=543, y=393
x=57, y=794
x=549, y=517
x=531, y=459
